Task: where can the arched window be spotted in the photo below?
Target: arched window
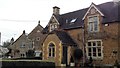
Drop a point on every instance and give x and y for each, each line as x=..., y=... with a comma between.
x=51, y=50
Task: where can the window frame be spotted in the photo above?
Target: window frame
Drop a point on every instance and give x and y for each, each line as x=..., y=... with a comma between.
x=23, y=45
x=38, y=38
x=51, y=50
x=93, y=23
x=53, y=26
x=96, y=47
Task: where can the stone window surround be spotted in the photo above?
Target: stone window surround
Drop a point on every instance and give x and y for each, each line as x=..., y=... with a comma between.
x=22, y=45
x=97, y=15
x=97, y=57
x=53, y=26
x=51, y=50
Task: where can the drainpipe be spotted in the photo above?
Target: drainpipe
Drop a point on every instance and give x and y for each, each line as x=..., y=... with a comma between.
x=83, y=30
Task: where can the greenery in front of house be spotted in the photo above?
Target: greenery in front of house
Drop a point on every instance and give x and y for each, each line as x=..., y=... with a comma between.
x=34, y=63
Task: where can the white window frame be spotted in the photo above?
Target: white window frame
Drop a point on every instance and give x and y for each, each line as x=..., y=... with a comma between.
x=87, y=51
x=93, y=23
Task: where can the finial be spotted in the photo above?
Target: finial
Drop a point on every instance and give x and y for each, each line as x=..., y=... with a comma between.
x=39, y=22
x=12, y=39
x=23, y=31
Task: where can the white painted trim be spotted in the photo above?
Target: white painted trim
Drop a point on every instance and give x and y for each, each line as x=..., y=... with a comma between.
x=56, y=20
x=63, y=65
x=72, y=64
x=92, y=5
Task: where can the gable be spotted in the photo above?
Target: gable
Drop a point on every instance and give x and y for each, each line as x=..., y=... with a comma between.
x=108, y=10
x=93, y=9
x=36, y=32
x=19, y=40
x=53, y=19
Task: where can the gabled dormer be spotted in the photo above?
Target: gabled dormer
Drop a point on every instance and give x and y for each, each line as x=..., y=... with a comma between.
x=92, y=18
x=53, y=23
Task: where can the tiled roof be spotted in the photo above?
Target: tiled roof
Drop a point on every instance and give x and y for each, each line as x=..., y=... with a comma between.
x=64, y=37
x=109, y=9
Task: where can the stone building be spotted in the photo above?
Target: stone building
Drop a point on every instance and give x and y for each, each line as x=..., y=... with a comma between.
x=94, y=30
x=27, y=42
x=20, y=46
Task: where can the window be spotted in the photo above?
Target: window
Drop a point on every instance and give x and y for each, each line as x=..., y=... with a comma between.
x=94, y=49
x=51, y=50
x=22, y=55
x=37, y=53
x=38, y=38
x=73, y=20
x=53, y=26
x=22, y=45
x=93, y=24
x=31, y=45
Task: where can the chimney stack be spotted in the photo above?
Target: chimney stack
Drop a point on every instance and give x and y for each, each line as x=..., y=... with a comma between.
x=56, y=10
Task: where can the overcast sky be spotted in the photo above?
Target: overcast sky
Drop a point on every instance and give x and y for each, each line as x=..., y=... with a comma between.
x=19, y=15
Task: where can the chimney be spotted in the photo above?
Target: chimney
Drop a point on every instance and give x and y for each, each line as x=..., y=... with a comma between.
x=56, y=10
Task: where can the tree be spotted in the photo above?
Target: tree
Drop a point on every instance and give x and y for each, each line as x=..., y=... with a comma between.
x=30, y=54
x=6, y=44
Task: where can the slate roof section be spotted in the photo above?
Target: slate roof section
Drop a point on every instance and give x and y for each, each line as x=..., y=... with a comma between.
x=64, y=37
x=110, y=10
x=66, y=19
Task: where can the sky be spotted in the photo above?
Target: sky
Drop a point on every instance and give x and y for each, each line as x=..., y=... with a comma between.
x=19, y=15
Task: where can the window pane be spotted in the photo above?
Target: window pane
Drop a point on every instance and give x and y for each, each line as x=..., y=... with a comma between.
x=89, y=54
x=99, y=54
x=95, y=18
x=89, y=49
x=99, y=50
x=94, y=54
x=53, y=54
x=49, y=54
x=50, y=50
x=94, y=44
x=89, y=43
x=53, y=50
x=90, y=19
x=91, y=26
x=55, y=25
x=96, y=26
x=98, y=43
x=94, y=49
